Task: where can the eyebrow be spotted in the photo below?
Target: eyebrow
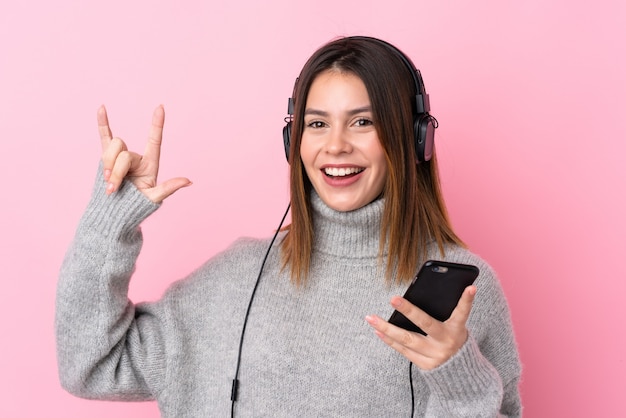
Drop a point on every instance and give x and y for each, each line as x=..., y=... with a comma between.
x=351, y=112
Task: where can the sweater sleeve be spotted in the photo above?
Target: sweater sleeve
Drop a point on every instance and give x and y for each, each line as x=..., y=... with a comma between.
x=106, y=347
x=482, y=379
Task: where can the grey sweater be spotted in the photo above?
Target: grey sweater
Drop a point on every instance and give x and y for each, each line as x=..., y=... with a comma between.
x=307, y=352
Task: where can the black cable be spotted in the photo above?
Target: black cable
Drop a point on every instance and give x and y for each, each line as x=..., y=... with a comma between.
x=235, y=385
x=411, y=384
x=234, y=388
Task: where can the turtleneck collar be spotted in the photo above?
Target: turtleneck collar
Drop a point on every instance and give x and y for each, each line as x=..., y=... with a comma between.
x=353, y=234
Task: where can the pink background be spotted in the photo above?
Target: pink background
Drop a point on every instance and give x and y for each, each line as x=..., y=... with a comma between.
x=529, y=95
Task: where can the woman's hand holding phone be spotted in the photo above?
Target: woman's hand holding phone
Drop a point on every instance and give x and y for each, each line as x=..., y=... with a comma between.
x=141, y=170
x=443, y=339
x=428, y=325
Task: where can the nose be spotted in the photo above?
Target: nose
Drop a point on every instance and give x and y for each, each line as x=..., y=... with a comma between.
x=338, y=141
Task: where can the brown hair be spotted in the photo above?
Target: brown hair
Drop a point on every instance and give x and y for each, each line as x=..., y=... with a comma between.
x=414, y=213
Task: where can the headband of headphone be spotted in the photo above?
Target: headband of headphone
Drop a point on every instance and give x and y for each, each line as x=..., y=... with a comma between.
x=424, y=124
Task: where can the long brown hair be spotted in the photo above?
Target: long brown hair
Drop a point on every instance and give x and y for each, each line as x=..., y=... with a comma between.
x=415, y=214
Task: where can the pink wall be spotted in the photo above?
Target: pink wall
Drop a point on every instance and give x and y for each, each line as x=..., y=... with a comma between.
x=529, y=95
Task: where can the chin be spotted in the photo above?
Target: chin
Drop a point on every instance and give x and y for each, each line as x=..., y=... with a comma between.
x=344, y=208
x=345, y=205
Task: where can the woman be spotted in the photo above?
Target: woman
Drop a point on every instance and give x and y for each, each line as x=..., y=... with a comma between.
x=366, y=212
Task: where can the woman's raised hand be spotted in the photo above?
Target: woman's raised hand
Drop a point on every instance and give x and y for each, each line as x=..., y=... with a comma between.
x=141, y=170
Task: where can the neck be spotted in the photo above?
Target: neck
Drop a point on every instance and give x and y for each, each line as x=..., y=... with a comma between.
x=352, y=234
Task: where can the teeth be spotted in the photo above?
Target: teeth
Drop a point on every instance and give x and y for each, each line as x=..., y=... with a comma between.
x=340, y=172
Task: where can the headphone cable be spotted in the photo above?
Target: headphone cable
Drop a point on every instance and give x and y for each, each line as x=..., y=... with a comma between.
x=235, y=386
x=411, y=385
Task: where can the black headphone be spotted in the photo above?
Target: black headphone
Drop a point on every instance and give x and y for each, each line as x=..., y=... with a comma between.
x=424, y=124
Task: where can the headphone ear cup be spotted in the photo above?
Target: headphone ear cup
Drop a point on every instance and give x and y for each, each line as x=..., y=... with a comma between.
x=424, y=131
x=287, y=139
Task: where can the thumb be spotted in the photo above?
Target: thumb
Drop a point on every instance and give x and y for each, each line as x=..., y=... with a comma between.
x=463, y=308
x=167, y=188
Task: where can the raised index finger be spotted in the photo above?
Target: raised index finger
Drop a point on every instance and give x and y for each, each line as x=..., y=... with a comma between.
x=103, y=127
x=153, y=149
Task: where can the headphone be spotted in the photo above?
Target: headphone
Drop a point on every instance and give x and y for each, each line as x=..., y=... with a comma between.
x=424, y=124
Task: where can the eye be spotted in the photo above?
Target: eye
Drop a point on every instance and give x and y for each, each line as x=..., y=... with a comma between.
x=363, y=122
x=316, y=124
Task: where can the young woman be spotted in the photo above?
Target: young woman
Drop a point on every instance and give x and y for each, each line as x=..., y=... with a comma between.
x=366, y=212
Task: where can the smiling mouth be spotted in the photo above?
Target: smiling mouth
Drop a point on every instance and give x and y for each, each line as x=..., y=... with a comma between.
x=342, y=172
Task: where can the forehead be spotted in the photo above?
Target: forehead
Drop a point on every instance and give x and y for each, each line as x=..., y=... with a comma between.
x=335, y=89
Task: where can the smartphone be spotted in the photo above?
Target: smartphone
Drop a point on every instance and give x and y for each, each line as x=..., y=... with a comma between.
x=436, y=290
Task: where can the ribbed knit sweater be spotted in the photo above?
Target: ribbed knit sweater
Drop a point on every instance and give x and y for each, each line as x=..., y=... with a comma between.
x=308, y=351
